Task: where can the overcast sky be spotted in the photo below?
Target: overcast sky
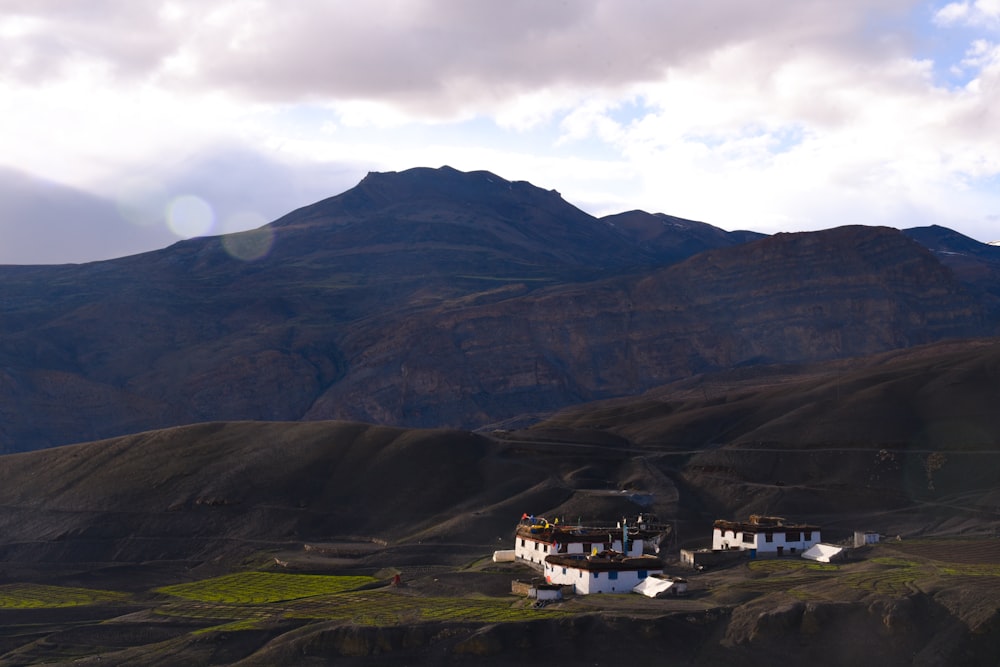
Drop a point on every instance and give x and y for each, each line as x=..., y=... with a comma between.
x=129, y=124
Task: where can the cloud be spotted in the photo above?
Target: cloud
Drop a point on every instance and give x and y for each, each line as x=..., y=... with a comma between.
x=980, y=13
x=433, y=57
x=787, y=114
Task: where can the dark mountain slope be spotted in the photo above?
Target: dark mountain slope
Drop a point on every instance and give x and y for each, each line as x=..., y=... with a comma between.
x=442, y=298
x=914, y=430
x=791, y=297
x=975, y=263
x=212, y=488
x=440, y=218
x=228, y=490
x=671, y=237
x=190, y=333
x=906, y=443
x=939, y=395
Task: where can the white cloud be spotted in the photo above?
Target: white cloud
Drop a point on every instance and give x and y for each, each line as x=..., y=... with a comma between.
x=788, y=114
x=979, y=13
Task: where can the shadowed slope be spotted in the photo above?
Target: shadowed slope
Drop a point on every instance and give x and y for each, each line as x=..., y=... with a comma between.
x=190, y=333
x=908, y=440
x=791, y=297
x=436, y=298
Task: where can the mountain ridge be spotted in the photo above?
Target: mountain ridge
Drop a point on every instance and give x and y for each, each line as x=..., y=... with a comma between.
x=519, y=303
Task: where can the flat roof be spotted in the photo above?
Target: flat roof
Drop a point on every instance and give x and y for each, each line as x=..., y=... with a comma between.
x=753, y=527
x=601, y=563
x=566, y=534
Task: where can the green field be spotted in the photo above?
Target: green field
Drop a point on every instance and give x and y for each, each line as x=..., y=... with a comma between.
x=244, y=601
x=776, y=566
x=374, y=608
x=37, y=596
x=264, y=587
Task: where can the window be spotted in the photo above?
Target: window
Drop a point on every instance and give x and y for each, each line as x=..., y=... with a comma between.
x=643, y=574
x=564, y=570
x=597, y=575
x=586, y=548
x=536, y=546
x=522, y=541
x=748, y=538
x=768, y=537
x=612, y=575
x=581, y=574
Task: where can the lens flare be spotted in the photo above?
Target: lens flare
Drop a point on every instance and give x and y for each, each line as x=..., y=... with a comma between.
x=189, y=216
x=249, y=245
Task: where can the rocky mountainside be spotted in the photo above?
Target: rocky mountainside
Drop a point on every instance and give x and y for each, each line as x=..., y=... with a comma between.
x=976, y=264
x=909, y=431
x=441, y=298
x=793, y=297
x=844, y=442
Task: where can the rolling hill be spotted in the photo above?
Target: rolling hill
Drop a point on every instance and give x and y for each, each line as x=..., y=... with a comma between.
x=903, y=443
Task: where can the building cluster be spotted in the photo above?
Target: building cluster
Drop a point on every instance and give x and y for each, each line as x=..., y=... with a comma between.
x=592, y=559
x=614, y=558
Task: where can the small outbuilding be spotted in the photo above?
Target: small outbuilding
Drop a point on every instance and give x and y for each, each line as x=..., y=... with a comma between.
x=504, y=556
x=706, y=559
x=863, y=538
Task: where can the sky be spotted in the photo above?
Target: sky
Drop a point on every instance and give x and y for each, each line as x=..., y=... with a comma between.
x=129, y=125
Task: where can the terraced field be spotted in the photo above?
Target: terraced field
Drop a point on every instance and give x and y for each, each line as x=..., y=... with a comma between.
x=265, y=587
x=894, y=577
x=252, y=606
x=250, y=600
x=37, y=596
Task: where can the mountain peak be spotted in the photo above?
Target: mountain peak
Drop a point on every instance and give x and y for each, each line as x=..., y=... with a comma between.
x=447, y=182
x=381, y=189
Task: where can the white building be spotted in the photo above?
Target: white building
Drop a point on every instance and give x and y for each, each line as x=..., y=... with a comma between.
x=764, y=536
x=605, y=573
x=537, y=539
x=865, y=537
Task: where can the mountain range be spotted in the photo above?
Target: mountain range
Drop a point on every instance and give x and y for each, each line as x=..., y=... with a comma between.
x=384, y=381
x=437, y=298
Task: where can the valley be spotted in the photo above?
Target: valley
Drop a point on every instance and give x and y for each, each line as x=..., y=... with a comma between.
x=218, y=461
